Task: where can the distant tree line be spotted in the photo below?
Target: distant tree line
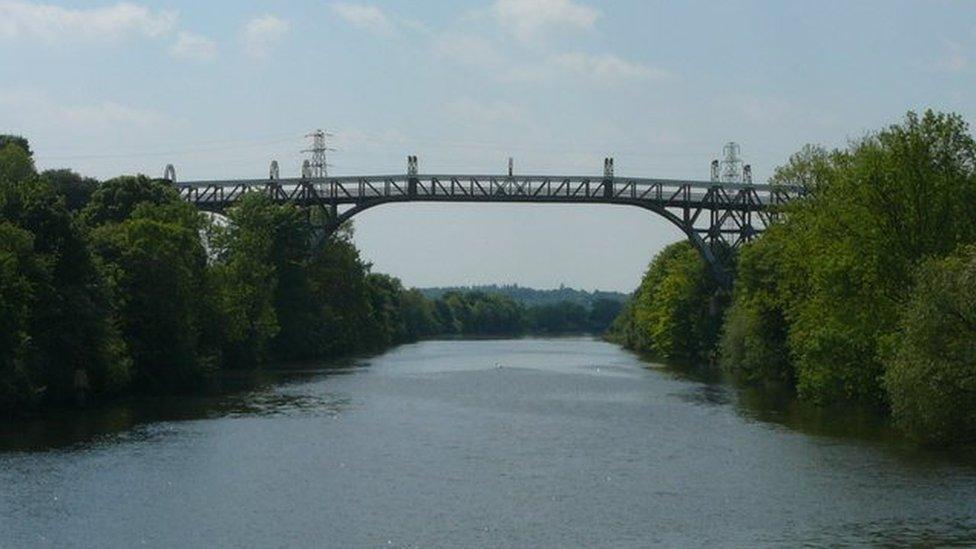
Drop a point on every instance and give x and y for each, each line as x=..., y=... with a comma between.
x=484, y=313
x=531, y=297
x=864, y=292
x=119, y=286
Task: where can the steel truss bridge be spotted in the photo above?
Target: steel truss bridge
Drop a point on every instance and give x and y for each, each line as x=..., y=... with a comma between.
x=716, y=217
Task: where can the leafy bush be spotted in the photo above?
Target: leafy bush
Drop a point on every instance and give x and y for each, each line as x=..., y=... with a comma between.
x=931, y=378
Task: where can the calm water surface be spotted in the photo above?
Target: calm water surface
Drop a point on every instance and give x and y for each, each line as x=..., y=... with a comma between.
x=516, y=443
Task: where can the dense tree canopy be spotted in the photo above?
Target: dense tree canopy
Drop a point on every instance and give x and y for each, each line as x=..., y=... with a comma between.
x=66, y=325
x=676, y=311
x=115, y=286
x=843, y=297
x=931, y=376
x=76, y=189
x=857, y=293
x=155, y=269
x=826, y=287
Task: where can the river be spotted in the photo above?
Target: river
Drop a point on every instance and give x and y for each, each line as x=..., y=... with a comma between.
x=504, y=443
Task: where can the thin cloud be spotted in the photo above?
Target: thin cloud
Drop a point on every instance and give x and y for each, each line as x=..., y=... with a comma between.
x=102, y=116
x=954, y=58
x=607, y=67
x=365, y=17
x=194, y=47
x=468, y=49
x=111, y=114
x=56, y=24
x=261, y=35
x=529, y=18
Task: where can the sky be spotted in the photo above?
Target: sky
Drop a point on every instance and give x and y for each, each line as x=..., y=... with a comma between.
x=222, y=87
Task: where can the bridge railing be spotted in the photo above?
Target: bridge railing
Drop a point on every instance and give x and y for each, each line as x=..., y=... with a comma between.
x=486, y=187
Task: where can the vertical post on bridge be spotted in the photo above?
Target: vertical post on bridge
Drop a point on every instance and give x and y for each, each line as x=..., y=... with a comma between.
x=412, y=176
x=608, y=177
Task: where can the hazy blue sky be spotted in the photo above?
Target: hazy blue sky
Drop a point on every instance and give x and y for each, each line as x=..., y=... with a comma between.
x=220, y=87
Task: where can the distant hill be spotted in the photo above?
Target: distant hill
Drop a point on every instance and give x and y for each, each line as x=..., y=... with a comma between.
x=531, y=297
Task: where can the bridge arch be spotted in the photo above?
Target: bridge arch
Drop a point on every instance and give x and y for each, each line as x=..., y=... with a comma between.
x=718, y=268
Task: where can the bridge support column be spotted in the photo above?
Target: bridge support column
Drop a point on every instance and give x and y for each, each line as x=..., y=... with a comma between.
x=412, y=172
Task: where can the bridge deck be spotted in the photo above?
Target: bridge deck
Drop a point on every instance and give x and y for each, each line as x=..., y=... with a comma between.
x=493, y=188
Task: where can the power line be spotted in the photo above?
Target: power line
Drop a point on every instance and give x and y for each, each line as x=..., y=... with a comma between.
x=173, y=152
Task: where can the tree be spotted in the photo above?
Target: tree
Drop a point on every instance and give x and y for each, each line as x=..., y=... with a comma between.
x=820, y=293
x=69, y=325
x=20, y=276
x=115, y=200
x=156, y=272
x=76, y=189
x=245, y=281
x=892, y=200
x=753, y=344
x=602, y=313
x=931, y=379
x=15, y=161
x=419, y=315
x=18, y=141
x=564, y=317
x=675, y=311
x=385, y=292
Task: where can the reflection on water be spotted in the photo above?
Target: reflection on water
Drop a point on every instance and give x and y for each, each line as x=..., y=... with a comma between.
x=520, y=443
x=233, y=394
x=778, y=406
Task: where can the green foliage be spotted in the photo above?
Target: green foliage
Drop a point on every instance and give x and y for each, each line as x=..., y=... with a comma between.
x=931, y=379
x=156, y=270
x=115, y=200
x=564, y=317
x=753, y=344
x=558, y=311
x=419, y=316
x=15, y=161
x=16, y=140
x=531, y=297
x=20, y=274
x=480, y=313
x=244, y=280
x=341, y=303
x=76, y=189
x=385, y=296
x=819, y=297
x=68, y=324
x=675, y=313
x=602, y=313
x=569, y=317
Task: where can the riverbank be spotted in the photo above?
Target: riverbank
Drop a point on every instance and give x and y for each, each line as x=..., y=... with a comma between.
x=859, y=294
